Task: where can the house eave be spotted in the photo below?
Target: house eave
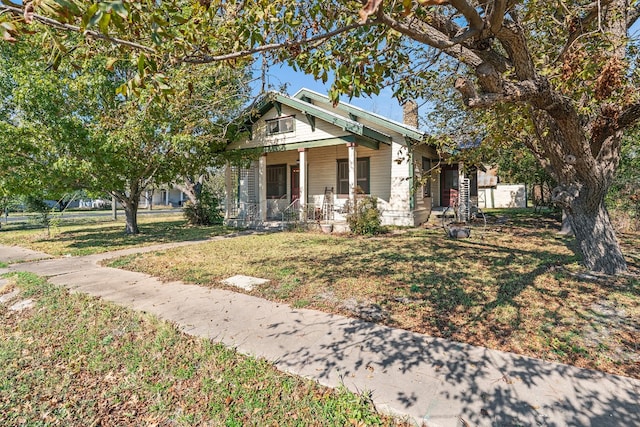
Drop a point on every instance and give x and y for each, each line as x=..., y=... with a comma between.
x=405, y=130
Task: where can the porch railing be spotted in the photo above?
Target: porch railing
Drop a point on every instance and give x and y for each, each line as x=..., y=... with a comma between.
x=292, y=212
x=245, y=212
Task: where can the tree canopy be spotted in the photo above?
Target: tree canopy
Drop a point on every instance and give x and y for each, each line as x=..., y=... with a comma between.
x=71, y=129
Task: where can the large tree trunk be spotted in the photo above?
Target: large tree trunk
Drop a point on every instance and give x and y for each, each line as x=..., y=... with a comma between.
x=596, y=237
x=131, y=216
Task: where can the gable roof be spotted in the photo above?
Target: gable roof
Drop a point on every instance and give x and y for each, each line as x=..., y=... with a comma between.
x=276, y=99
x=310, y=96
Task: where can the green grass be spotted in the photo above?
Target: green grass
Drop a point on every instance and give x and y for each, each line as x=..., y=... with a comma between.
x=74, y=360
x=87, y=236
x=518, y=289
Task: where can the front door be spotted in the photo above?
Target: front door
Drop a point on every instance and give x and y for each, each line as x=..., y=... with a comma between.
x=449, y=184
x=295, y=183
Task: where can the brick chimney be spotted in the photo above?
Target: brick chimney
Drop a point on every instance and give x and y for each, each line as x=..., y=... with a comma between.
x=410, y=113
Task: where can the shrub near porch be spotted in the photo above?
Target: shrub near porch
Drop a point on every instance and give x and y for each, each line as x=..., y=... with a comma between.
x=519, y=289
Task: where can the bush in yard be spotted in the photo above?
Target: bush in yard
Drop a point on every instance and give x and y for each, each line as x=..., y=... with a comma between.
x=206, y=210
x=364, y=218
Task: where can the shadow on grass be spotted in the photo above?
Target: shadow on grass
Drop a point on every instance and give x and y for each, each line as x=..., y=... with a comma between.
x=443, y=276
x=113, y=237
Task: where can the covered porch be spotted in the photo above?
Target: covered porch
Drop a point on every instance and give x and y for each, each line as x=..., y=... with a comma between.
x=307, y=182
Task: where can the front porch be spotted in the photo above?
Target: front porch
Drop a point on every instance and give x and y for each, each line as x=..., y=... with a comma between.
x=314, y=184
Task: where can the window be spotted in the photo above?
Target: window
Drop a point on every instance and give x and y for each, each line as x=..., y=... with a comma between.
x=362, y=175
x=426, y=177
x=276, y=181
x=280, y=125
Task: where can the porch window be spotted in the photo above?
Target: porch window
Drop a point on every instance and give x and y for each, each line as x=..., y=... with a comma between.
x=426, y=176
x=276, y=181
x=280, y=125
x=362, y=175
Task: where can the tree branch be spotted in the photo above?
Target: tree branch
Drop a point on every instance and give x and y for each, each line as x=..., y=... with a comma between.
x=511, y=92
x=67, y=27
x=496, y=18
x=512, y=38
x=476, y=24
x=629, y=116
x=312, y=41
x=422, y=32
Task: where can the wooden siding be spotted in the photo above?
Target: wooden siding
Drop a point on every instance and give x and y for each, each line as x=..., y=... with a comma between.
x=303, y=131
x=322, y=169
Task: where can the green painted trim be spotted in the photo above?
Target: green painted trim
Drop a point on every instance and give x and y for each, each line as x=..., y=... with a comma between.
x=404, y=130
x=334, y=119
x=312, y=121
x=311, y=111
x=367, y=142
x=412, y=190
x=374, y=134
x=295, y=145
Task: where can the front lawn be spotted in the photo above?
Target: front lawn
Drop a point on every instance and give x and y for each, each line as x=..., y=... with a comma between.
x=74, y=360
x=85, y=236
x=520, y=288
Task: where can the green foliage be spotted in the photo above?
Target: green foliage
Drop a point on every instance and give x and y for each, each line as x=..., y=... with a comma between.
x=206, y=210
x=70, y=129
x=624, y=194
x=364, y=217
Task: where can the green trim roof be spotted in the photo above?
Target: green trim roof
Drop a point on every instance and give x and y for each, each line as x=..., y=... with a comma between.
x=273, y=98
x=355, y=112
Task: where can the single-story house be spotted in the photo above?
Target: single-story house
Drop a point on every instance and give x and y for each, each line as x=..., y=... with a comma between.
x=165, y=195
x=315, y=158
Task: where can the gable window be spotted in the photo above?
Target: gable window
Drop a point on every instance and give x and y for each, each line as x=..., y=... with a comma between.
x=426, y=177
x=280, y=125
x=276, y=181
x=362, y=175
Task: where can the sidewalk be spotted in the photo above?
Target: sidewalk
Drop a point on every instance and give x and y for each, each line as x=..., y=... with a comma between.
x=435, y=381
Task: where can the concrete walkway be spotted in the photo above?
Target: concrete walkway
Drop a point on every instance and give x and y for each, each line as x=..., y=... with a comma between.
x=434, y=381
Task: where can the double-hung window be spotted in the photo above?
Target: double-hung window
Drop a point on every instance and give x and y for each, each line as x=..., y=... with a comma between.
x=362, y=175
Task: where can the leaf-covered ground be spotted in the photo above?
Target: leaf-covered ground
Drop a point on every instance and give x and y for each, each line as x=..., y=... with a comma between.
x=518, y=287
x=74, y=360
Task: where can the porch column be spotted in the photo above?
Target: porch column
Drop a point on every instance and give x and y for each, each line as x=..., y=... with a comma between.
x=302, y=196
x=166, y=201
x=353, y=182
x=227, y=190
x=262, y=187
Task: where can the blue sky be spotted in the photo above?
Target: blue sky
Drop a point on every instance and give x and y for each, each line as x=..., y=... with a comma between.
x=383, y=104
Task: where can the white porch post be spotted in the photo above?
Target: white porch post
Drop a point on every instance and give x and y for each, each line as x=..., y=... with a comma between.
x=302, y=152
x=353, y=182
x=227, y=190
x=166, y=201
x=262, y=187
